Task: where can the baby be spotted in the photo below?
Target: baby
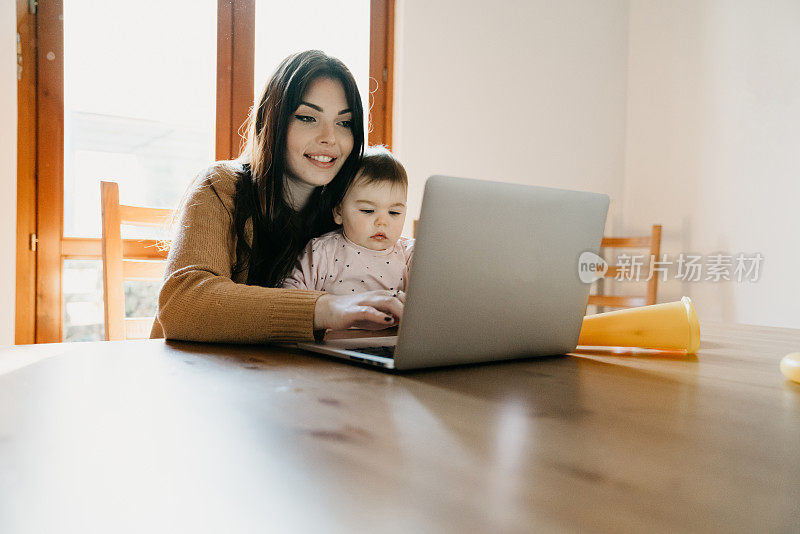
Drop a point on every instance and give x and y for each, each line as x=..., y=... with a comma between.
x=367, y=253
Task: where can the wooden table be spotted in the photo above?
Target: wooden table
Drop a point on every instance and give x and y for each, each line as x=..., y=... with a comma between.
x=146, y=435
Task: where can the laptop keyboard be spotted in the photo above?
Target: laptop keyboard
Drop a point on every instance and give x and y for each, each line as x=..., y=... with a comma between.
x=386, y=352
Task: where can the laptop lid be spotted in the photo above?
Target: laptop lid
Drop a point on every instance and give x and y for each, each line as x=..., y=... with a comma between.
x=495, y=272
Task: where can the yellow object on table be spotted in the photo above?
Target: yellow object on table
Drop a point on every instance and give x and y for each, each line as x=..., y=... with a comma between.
x=670, y=326
x=790, y=366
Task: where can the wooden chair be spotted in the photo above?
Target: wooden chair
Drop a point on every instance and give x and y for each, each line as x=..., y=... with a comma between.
x=127, y=260
x=653, y=244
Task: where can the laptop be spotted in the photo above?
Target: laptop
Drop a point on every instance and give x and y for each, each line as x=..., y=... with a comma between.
x=494, y=277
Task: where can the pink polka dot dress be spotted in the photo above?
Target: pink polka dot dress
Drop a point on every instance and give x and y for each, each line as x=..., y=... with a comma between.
x=335, y=264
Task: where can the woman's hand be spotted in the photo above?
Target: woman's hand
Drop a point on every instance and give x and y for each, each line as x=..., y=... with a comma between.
x=372, y=310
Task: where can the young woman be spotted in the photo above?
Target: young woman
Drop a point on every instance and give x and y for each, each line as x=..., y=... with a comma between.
x=244, y=222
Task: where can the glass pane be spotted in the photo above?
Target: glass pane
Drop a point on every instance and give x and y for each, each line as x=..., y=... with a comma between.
x=141, y=298
x=340, y=29
x=83, y=318
x=139, y=103
x=83, y=300
x=139, y=109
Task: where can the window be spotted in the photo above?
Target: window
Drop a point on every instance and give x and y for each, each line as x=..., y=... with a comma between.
x=283, y=28
x=139, y=112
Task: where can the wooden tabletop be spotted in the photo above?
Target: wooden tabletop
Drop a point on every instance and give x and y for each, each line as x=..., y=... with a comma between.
x=141, y=436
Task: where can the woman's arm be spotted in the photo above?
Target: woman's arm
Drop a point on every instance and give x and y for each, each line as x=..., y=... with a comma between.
x=199, y=301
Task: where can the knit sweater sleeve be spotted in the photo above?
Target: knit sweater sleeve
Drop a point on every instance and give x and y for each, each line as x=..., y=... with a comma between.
x=200, y=301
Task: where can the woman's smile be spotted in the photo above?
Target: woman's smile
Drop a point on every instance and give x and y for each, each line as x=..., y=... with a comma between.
x=322, y=161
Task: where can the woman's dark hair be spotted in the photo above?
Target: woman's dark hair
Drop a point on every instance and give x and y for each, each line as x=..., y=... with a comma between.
x=279, y=232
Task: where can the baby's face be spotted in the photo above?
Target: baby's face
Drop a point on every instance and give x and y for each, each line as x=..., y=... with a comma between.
x=372, y=214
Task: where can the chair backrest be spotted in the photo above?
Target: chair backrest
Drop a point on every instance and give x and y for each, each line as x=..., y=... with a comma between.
x=653, y=244
x=140, y=260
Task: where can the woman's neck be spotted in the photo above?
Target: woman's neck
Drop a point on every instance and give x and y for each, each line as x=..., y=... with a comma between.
x=296, y=192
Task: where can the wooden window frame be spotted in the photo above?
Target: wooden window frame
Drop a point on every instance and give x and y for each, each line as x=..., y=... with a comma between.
x=49, y=168
x=381, y=71
x=41, y=245
x=236, y=38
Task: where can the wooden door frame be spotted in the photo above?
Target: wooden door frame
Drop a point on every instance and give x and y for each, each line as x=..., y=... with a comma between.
x=41, y=247
x=25, y=294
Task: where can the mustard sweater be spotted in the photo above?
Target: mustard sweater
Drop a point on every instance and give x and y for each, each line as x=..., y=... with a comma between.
x=200, y=298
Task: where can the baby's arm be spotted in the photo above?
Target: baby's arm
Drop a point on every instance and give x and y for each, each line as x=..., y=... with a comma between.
x=308, y=270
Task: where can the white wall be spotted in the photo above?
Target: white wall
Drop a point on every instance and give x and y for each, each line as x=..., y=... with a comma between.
x=528, y=92
x=8, y=167
x=686, y=112
x=713, y=145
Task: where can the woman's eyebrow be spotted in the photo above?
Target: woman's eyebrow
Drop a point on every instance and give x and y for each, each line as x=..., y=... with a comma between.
x=316, y=107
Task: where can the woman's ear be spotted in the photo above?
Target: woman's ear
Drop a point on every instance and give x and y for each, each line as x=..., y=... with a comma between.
x=337, y=214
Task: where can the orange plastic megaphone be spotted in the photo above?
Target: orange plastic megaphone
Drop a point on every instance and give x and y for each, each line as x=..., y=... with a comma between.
x=670, y=326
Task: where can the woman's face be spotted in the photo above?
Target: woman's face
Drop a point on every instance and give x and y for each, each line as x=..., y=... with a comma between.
x=320, y=136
